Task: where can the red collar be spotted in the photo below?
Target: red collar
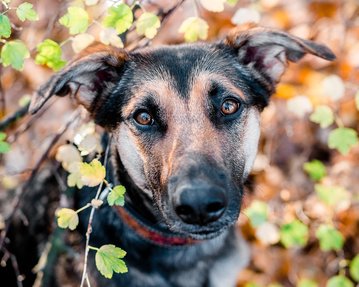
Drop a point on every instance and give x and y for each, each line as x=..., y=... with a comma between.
x=155, y=236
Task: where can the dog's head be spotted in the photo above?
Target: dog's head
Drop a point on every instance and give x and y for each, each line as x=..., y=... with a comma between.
x=185, y=118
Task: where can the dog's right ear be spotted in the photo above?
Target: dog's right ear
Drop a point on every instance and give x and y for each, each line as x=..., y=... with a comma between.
x=88, y=78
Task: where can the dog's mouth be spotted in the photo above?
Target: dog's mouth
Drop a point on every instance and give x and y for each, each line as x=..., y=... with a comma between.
x=203, y=233
x=204, y=230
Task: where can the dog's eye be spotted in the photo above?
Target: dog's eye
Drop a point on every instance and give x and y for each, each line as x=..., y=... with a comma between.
x=229, y=107
x=143, y=118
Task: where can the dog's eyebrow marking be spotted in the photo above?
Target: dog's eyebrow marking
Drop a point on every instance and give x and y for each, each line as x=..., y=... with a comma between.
x=156, y=88
x=206, y=81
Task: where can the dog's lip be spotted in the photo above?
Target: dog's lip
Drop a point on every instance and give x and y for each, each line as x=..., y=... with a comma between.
x=202, y=233
x=207, y=234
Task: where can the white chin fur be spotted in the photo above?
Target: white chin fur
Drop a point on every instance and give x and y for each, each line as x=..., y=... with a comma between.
x=130, y=158
x=250, y=140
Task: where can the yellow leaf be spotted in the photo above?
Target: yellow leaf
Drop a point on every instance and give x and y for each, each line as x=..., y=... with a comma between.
x=246, y=15
x=81, y=41
x=91, y=2
x=93, y=173
x=109, y=36
x=67, y=218
x=213, y=5
x=333, y=87
x=83, y=131
x=268, y=233
x=89, y=144
x=300, y=106
x=194, y=28
x=67, y=154
x=74, y=178
x=147, y=25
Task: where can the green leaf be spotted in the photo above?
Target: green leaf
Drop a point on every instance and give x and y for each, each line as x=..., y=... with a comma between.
x=342, y=139
x=307, y=283
x=119, y=17
x=24, y=100
x=251, y=284
x=2, y=136
x=293, y=234
x=4, y=146
x=322, y=115
x=116, y=196
x=357, y=100
x=339, y=281
x=257, y=213
x=354, y=268
x=14, y=53
x=329, y=238
x=67, y=218
x=232, y=2
x=331, y=195
x=108, y=260
x=49, y=53
x=25, y=11
x=315, y=169
x=76, y=19
x=194, y=28
x=5, y=26
x=93, y=173
x=147, y=25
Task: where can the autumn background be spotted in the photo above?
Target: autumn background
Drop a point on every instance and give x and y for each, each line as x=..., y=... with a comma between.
x=301, y=214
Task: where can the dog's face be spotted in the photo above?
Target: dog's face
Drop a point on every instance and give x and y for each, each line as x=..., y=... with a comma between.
x=185, y=119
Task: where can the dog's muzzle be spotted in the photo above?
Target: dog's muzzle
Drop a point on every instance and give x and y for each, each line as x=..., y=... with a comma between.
x=201, y=198
x=199, y=202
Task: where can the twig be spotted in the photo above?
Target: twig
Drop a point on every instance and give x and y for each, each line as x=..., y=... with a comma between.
x=16, y=269
x=2, y=97
x=89, y=225
x=28, y=124
x=14, y=117
x=22, y=191
x=15, y=265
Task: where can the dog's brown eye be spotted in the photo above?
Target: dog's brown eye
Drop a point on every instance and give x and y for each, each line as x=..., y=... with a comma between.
x=144, y=118
x=229, y=107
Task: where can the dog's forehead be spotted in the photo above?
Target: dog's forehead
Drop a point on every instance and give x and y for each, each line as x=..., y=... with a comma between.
x=180, y=64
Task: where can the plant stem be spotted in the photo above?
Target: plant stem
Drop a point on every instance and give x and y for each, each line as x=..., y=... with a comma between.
x=89, y=225
x=83, y=208
x=93, y=248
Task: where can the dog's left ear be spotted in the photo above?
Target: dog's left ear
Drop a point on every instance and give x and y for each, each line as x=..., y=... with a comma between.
x=88, y=78
x=268, y=51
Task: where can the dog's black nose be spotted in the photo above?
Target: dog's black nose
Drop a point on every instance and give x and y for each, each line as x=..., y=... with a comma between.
x=200, y=204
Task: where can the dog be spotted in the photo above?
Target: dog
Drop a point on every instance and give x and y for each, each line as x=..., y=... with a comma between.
x=185, y=122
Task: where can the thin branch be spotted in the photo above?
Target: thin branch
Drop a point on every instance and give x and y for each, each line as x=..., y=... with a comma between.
x=8, y=255
x=89, y=225
x=28, y=124
x=16, y=269
x=20, y=113
x=2, y=97
x=25, y=187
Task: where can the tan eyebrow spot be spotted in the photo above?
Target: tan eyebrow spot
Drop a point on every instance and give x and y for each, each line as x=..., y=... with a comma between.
x=202, y=82
x=156, y=86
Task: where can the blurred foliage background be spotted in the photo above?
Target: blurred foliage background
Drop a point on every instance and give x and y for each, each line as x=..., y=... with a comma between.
x=301, y=214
